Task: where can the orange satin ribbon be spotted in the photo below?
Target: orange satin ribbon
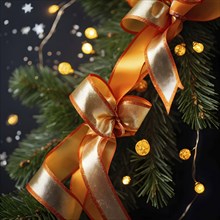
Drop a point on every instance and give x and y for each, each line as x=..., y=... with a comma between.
x=86, y=154
x=155, y=22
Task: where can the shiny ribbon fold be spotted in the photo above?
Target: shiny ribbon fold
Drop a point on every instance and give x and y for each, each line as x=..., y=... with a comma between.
x=86, y=153
x=156, y=22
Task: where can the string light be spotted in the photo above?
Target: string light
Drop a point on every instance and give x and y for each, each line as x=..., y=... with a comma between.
x=87, y=48
x=126, y=180
x=65, y=68
x=198, y=47
x=53, y=9
x=12, y=119
x=52, y=30
x=141, y=86
x=185, y=154
x=199, y=187
x=91, y=33
x=180, y=49
x=142, y=147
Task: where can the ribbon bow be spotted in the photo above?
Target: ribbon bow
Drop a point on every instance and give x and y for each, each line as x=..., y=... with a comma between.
x=86, y=153
x=155, y=22
x=94, y=142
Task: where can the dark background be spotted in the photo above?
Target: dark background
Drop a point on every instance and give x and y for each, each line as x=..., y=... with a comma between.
x=14, y=47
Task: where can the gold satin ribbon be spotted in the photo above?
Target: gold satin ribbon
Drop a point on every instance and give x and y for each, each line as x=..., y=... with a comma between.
x=86, y=154
x=155, y=22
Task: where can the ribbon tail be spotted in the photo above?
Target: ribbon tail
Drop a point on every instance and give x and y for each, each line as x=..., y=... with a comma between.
x=46, y=185
x=94, y=164
x=162, y=69
x=128, y=68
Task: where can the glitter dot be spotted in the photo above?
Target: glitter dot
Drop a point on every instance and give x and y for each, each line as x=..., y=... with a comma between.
x=10, y=90
x=49, y=53
x=36, y=48
x=55, y=67
x=3, y=156
x=8, y=139
x=7, y=4
x=25, y=59
x=79, y=34
x=14, y=31
x=18, y=132
x=3, y=163
x=29, y=48
x=17, y=137
x=6, y=22
x=80, y=55
x=76, y=26
x=36, y=77
x=91, y=59
x=29, y=62
x=73, y=31
x=58, y=53
x=40, y=36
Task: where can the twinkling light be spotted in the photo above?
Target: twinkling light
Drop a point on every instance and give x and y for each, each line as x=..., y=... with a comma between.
x=199, y=187
x=126, y=180
x=53, y=9
x=91, y=33
x=65, y=68
x=87, y=48
x=12, y=119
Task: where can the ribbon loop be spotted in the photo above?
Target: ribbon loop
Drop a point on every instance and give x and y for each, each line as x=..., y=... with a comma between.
x=161, y=22
x=146, y=13
x=101, y=112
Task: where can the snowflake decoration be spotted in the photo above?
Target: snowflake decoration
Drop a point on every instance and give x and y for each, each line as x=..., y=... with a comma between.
x=25, y=30
x=39, y=28
x=27, y=8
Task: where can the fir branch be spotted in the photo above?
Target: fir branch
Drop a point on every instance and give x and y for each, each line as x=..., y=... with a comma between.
x=198, y=102
x=153, y=175
x=44, y=89
x=28, y=157
x=36, y=86
x=22, y=206
x=103, y=10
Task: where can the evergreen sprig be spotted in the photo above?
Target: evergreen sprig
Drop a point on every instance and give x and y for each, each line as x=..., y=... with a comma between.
x=22, y=206
x=198, y=102
x=28, y=157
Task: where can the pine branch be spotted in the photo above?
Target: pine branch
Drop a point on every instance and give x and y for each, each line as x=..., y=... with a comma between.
x=103, y=10
x=43, y=88
x=198, y=102
x=153, y=175
x=22, y=206
x=28, y=157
